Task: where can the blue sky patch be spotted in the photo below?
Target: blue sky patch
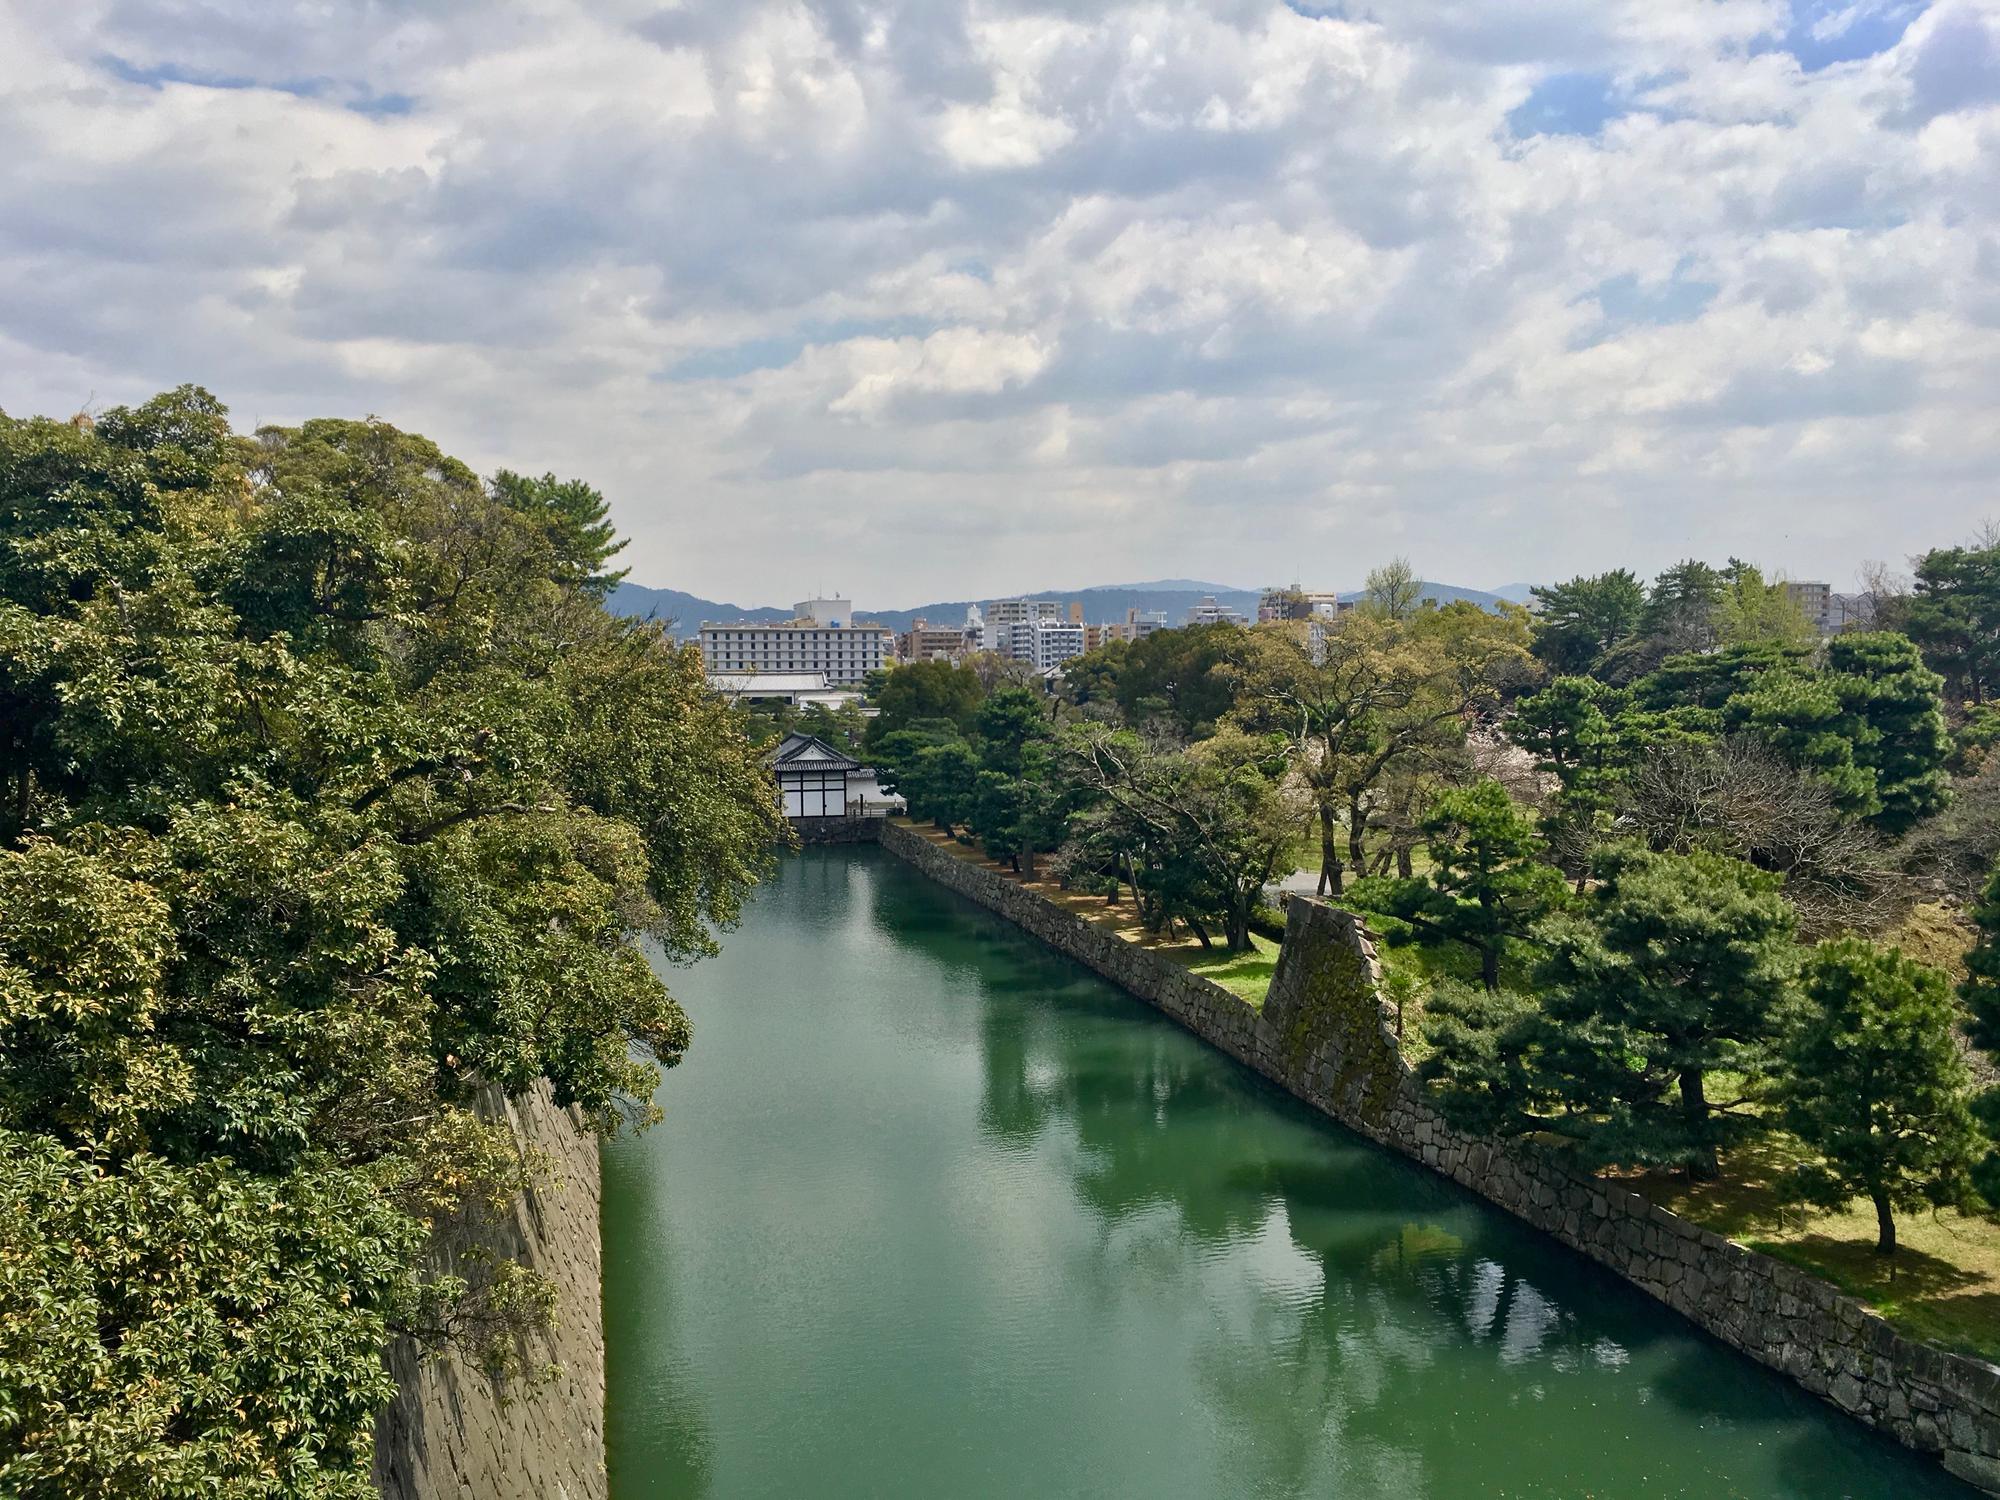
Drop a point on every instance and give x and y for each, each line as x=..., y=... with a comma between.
x=1626, y=302
x=1567, y=104
x=1825, y=32
x=347, y=96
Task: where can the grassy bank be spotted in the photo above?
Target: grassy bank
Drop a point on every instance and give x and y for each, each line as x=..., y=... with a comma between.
x=1247, y=974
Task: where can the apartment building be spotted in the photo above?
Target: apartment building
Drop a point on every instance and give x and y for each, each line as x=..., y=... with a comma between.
x=927, y=642
x=1816, y=599
x=1137, y=625
x=1274, y=605
x=1042, y=642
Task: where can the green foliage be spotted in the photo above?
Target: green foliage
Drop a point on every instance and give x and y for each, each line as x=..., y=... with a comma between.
x=1094, y=676
x=919, y=692
x=1488, y=884
x=1582, y=621
x=191, y=1331
x=1895, y=715
x=576, y=522
x=1369, y=705
x=1181, y=677
x=1681, y=606
x=1875, y=1087
x=1981, y=988
x=1754, y=612
x=1008, y=722
x=1954, y=615
x=1709, y=679
x=941, y=783
x=331, y=794
x=1671, y=969
x=1198, y=835
x=1972, y=741
x=1806, y=720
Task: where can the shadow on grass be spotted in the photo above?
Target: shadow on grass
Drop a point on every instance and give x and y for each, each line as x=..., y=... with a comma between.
x=1942, y=1284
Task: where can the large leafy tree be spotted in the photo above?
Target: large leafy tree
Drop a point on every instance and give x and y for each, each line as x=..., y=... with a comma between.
x=1375, y=696
x=575, y=522
x=1806, y=719
x=1706, y=680
x=333, y=795
x=1980, y=990
x=1198, y=833
x=1573, y=728
x=921, y=691
x=1180, y=678
x=1875, y=1087
x=1681, y=605
x=1670, y=970
x=1754, y=610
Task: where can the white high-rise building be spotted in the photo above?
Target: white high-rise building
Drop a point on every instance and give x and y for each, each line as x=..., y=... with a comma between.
x=845, y=653
x=1041, y=643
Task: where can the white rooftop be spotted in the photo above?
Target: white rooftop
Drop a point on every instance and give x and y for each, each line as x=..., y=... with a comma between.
x=768, y=682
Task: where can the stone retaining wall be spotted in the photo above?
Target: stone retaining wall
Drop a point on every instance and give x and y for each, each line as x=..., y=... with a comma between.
x=453, y=1435
x=1325, y=1036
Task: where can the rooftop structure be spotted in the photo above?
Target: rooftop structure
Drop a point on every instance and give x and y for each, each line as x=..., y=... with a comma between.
x=800, y=689
x=1298, y=604
x=1208, y=612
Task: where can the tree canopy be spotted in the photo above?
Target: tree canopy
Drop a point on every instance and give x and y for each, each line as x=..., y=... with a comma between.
x=332, y=795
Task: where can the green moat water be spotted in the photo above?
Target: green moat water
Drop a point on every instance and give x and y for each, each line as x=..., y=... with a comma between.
x=937, y=1213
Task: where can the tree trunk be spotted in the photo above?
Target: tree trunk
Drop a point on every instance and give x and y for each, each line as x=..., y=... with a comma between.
x=1489, y=967
x=1329, y=859
x=1404, y=867
x=1885, y=1224
x=1200, y=932
x=1702, y=1166
x=1357, y=833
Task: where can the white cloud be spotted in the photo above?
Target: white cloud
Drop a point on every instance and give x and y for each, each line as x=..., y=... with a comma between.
x=1052, y=292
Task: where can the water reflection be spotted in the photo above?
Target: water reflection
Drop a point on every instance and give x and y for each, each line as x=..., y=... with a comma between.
x=1344, y=1287
x=936, y=1212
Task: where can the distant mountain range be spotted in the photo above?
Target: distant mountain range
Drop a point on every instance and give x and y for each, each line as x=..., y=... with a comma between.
x=1102, y=604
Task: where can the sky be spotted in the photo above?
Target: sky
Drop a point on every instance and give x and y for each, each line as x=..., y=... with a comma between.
x=918, y=299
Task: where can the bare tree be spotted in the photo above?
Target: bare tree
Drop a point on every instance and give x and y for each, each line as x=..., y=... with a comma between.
x=1739, y=797
x=1958, y=849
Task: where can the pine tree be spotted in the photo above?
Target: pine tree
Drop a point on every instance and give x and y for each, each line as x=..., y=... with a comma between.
x=1489, y=883
x=1895, y=721
x=1672, y=968
x=576, y=521
x=1875, y=1087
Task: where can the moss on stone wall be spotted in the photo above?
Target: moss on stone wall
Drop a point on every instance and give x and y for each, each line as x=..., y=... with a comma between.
x=1338, y=1018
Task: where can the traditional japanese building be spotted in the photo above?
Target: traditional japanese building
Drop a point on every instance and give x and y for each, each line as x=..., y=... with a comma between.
x=813, y=777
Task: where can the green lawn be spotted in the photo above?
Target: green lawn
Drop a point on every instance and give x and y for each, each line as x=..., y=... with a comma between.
x=1942, y=1284
x=1246, y=975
